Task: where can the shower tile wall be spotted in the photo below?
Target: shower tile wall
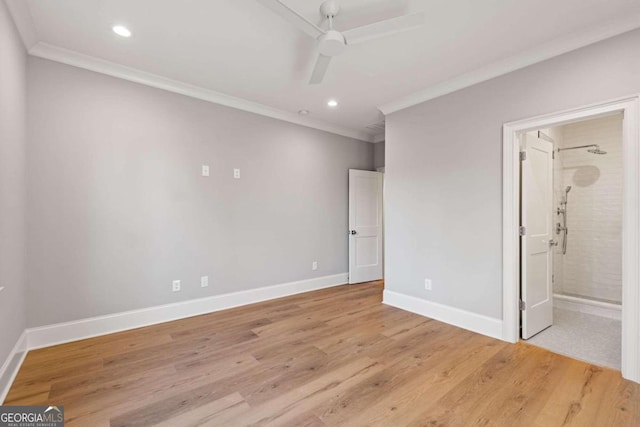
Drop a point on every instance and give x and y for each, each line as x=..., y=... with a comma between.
x=592, y=266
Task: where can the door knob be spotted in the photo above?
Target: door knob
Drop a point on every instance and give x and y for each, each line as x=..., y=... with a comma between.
x=353, y=232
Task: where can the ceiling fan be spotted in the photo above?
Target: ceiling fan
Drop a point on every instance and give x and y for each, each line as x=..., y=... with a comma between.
x=332, y=42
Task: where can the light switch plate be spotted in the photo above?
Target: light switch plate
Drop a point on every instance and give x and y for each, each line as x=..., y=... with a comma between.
x=205, y=170
x=236, y=173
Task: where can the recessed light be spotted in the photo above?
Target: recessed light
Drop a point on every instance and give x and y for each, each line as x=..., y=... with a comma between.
x=332, y=103
x=303, y=112
x=121, y=31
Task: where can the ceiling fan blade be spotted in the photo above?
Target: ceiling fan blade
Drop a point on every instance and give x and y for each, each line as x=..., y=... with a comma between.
x=322, y=63
x=293, y=17
x=384, y=28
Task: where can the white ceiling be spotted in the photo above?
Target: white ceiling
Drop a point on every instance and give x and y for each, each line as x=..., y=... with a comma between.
x=240, y=48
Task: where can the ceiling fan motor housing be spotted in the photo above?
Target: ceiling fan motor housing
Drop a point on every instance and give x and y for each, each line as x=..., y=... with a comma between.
x=331, y=43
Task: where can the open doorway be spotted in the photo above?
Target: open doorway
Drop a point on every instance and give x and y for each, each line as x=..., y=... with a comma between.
x=529, y=259
x=571, y=198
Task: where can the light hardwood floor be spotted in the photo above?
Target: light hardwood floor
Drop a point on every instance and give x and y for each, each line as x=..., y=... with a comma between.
x=330, y=357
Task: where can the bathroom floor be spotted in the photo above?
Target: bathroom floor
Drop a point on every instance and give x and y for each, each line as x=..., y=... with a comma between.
x=586, y=337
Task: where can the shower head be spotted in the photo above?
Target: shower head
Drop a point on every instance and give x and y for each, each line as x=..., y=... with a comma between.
x=591, y=148
x=597, y=150
x=564, y=202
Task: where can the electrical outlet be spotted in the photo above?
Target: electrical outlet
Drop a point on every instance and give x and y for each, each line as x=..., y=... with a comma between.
x=176, y=286
x=427, y=284
x=236, y=173
x=204, y=281
x=314, y=265
x=205, y=170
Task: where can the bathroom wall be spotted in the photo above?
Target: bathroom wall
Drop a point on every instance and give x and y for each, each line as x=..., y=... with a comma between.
x=592, y=266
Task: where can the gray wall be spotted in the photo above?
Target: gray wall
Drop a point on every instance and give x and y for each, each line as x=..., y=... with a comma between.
x=118, y=209
x=12, y=184
x=378, y=154
x=443, y=180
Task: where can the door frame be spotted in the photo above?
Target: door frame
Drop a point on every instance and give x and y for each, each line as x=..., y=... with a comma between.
x=630, y=106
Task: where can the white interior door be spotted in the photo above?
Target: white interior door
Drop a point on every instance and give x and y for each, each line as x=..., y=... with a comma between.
x=537, y=218
x=365, y=226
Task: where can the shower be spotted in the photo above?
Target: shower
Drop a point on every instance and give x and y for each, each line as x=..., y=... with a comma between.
x=575, y=187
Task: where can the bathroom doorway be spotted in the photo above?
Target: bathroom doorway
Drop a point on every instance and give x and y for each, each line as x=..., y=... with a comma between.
x=570, y=249
x=584, y=240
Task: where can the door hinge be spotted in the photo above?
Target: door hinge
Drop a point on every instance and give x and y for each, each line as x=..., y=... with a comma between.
x=523, y=230
x=553, y=155
x=523, y=156
x=522, y=305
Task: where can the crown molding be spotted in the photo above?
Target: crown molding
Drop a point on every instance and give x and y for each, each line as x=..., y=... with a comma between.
x=21, y=15
x=541, y=53
x=76, y=59
x=19, y=10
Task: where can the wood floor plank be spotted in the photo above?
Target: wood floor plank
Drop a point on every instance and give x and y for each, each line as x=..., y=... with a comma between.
x=223, y=409
x=51, y=371
x=534, y=387
x=364, y=402
x=461, y=405
x=100, y=383
x=100, y=347
x=331, y=357
x=177, y=388
x=28, y=398
x=429, y=384
x=301, y=367
x=287, y=406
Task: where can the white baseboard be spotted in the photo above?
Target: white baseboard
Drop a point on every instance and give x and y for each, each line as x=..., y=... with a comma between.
x=45, y=336
x=584, y=305
x=11, y=366
x=454, y=316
